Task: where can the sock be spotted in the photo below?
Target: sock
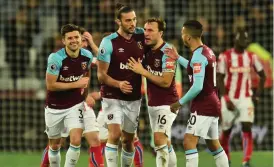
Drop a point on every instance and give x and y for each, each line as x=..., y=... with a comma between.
x=126, y=158
x=162, y=156
x=72, y=156
x=172, y=162
x=225, y=144
x=247, y=146
x=220, y=158
x=96, y=158
x=191, y=158
x=111, y=154
x=138, y=157
x=45, y=158
x=54, y=157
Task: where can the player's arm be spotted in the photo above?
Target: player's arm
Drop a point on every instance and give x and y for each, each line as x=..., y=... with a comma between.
x=103, y=77
x=162, y=81
x=198, y=64
x=221, y=73
x=172, y=53
x=53, y=69
x=91, y=43
x=198, y=67
x=260, y=71
x=103, y=61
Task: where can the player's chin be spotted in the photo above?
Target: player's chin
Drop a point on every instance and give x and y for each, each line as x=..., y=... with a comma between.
x=131, y=31
x=147, y=43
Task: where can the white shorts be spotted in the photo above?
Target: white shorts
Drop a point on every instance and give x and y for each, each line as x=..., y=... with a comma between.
x=161, y=119
x=90, y=121
x=125, y=113
x=57, y=119
x=103, y=131
x=244, y=112
x=203, y=126
x=65, y=132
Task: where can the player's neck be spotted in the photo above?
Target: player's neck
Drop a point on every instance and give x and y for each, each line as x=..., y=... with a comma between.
x=158, y=44
x=73, y=54
x=239, y=50
x=195, y=44
x=124, y=34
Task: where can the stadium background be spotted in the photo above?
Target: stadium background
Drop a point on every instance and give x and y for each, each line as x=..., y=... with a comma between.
x=29, y=32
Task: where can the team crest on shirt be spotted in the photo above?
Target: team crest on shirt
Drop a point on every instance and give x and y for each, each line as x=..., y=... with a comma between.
x=84, y=65
x=139, y=43
x=157, y=63
x=110, y=116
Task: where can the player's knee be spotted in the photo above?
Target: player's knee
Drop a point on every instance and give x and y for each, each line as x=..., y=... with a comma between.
x=55, y=146
x=160, y=139
x=188, y=143
x=127, y=141
x=115, y=136
x=76, y=141
x=93, y=140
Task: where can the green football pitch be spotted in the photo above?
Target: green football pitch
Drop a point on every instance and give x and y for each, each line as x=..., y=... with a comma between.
x=32, y=159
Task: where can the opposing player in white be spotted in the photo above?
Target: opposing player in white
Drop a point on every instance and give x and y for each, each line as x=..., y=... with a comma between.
x=234, y=75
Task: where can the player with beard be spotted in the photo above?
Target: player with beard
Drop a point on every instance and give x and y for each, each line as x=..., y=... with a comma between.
x=205, y=104
x=120, y=87
x=159, y=71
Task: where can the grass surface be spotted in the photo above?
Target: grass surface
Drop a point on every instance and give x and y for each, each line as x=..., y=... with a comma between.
x=23, y=159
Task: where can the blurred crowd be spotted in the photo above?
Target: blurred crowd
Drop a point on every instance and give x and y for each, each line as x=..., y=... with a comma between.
x=29, y=29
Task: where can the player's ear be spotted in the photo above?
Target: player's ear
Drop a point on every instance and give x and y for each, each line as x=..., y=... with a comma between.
x=63, y=41
x=161, y=33
x=118, y=21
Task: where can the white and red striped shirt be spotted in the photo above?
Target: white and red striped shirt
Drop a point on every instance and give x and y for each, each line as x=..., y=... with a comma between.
x=237, y=69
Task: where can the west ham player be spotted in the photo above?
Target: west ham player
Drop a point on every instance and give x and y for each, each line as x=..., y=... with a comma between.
x=66, y=80
x=234, y=75
x=103, y=134
x=205, y=105
x=161, y=89
x=121, y=88
x=91, y=128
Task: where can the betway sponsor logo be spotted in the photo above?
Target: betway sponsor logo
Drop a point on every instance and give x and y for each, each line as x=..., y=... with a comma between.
x=239, y=69
x=158, y=73
x=71, y=78
x=123, y=66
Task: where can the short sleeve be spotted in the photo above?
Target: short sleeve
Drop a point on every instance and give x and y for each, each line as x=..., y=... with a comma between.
x=105, y=50
x=54, y=64
x=198, y=64
x=168, y=64
x=256, y=63
x=221, y=64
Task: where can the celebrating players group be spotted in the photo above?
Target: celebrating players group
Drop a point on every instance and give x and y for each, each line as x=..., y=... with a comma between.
x=123, y=58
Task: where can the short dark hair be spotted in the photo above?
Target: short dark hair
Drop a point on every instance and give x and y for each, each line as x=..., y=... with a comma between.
x=194, y=27
x=161, y=23
x=69, y=28
x=120, y=8
x=82, y=30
